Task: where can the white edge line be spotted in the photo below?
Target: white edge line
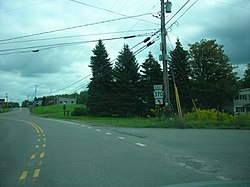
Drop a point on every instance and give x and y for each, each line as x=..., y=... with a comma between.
x=108, y=133
x=140, y=144
x=122, y=138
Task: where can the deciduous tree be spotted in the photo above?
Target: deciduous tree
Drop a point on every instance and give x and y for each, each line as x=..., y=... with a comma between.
x=214, y=82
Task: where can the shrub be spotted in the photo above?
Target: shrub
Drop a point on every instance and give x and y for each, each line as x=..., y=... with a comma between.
x=79, y=111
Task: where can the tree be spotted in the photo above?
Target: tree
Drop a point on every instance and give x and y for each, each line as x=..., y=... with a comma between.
x=99, y=97
x=181, y=73
x=151, y=75
x=246, y=78
x=214, y=82
x=127, y=100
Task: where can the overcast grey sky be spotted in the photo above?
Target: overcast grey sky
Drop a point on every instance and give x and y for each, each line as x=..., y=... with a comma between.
x=55, y=67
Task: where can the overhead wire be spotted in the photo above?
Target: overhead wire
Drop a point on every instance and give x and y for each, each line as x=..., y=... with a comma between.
x=74, y=36
x=110, y=11
x=157, y=38
x=57, y=45
x=73, y=27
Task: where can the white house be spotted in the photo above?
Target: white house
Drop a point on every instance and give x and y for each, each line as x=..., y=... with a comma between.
x=241, y=102
x=67, y=101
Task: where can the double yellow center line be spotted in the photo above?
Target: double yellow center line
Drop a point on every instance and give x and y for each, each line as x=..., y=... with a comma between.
x=41, y=140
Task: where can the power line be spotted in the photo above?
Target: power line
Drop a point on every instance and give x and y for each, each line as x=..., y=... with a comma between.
x=110, y=11
x=145, y=46
x=74, y=27
x=75, y=36
x=49, y=46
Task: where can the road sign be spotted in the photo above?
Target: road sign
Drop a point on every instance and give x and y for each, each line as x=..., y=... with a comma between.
x=158, y=94
x=159, y=101
x=157, y=87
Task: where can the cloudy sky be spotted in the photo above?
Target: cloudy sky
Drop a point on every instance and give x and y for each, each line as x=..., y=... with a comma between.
x=49, y=42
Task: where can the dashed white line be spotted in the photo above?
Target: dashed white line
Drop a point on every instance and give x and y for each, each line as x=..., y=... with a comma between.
x=90, y=127
x=98, y=130
x=77, y=123
x=108, y=133
x=120, y=137
x=83, y=125
x=140, y=144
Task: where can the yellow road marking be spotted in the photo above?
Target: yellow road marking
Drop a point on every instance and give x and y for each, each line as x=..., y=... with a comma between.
x=33, y=156
x=36, y=173
x=23, y=175
x=40, y=163
x=44, y=145
x=42, y=155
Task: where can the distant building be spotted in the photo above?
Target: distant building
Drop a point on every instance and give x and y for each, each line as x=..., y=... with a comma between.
x=38, y=102
x=241, y=102
x=67, y=101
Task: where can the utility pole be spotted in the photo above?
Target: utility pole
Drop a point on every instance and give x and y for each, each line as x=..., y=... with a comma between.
x=164, y=54
x=7, y=102
x=35, y=90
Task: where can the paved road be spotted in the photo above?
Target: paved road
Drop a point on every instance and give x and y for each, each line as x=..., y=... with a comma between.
x=47, y=152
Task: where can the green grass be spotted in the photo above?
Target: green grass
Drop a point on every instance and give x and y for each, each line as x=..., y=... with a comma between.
x=209, y=119
x=2, y=110
x=54, y=111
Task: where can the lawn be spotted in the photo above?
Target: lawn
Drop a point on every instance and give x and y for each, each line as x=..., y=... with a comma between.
x=2, y=110
x=212, y=119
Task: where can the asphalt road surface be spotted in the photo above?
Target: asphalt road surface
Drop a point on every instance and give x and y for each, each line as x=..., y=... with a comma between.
x=36, y=151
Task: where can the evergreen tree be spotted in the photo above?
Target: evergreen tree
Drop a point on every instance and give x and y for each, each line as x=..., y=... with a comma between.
x=127, y=101
x=214, y=82
x=246, y=78
x=99, y=97
x=181, y=71
x=151, y=75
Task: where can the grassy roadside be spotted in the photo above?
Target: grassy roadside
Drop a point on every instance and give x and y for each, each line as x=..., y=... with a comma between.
x=209, y=119
x=2, y=110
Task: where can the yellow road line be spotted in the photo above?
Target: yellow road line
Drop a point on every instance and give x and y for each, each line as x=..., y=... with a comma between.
x=33, y=156
x=42, y=155
x=44, y=145
x=36, y=173
x=40, y=163
x=23, y=175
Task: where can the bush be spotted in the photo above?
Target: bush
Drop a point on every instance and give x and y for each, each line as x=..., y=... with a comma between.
x=79, y=111
x=242, y=120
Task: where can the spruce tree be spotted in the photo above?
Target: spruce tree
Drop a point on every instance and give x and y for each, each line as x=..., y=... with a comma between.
x=127, y=101
x=151, y=75
x=246, y=78
x=181, y=72
x=99, y=98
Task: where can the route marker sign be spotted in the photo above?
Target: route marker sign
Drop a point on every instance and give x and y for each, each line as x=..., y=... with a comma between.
x=158, y=94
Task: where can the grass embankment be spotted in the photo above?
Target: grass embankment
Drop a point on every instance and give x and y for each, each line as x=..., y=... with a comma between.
x=198, y=119
x=2, y=110
x=53, y=111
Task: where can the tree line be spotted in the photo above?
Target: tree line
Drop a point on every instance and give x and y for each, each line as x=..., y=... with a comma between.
x=203, y=75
